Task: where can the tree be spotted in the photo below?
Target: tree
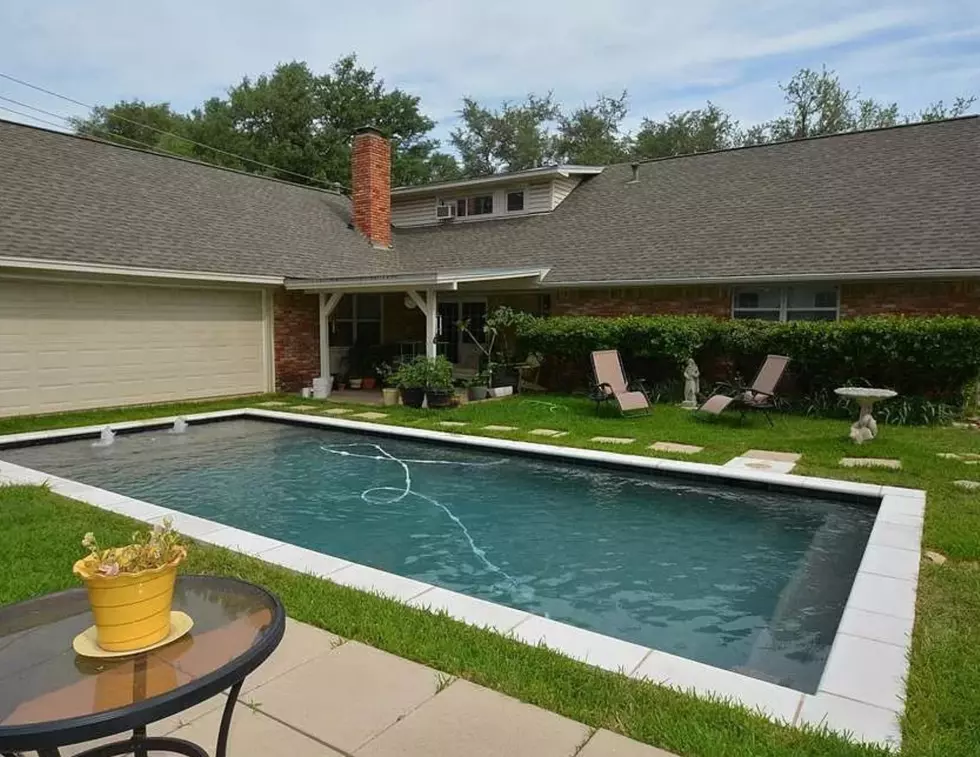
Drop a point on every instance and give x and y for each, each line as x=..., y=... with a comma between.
x=134, y=123
x=700, y=130
x=818, y=105
x=938, y=110
x=294, y=120
x=591, y=134
x=512, y=138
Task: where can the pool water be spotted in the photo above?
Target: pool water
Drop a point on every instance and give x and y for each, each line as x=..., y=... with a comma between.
x=743, y=579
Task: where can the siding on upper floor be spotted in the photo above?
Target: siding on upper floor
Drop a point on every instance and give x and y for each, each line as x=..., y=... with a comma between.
x=538, y=198
x=561, y=188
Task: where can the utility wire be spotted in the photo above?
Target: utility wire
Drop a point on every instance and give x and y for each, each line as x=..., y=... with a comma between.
x=163, y=131
x=67, y=119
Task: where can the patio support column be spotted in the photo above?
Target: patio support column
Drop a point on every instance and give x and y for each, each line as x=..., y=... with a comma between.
x=427, y=305
x=327, y=306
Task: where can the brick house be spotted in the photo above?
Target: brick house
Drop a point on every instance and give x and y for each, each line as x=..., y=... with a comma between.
x=128, y=276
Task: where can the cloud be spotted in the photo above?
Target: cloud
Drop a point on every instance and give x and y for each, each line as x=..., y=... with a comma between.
x=669, y=57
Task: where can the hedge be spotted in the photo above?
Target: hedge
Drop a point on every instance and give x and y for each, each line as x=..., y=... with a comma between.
x=927, y=360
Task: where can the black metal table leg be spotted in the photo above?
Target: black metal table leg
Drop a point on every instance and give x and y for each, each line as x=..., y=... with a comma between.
x=226, y=719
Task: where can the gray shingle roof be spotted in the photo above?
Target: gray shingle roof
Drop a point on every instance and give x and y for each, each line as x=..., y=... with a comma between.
x=899, y=199
x=67, y=198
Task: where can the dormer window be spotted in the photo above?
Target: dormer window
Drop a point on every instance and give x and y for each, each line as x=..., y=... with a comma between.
x=515, y=201
x=474, y=206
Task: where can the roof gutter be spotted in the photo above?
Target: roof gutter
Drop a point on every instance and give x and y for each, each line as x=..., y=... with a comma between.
x=433, y=280
x=931, y=273
x=150, y=273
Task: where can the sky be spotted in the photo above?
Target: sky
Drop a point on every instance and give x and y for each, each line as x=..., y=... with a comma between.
x=668, y=56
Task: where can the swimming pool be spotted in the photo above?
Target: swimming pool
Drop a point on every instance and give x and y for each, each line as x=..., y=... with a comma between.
x=747, y=580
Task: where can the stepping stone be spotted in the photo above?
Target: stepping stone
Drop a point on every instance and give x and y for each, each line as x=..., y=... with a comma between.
x=337, y=411
x=948, y=455
x=453, y=424
x=869, y=462
x=303, y=407
x=547, y=432
x=370, y=416
x=683, y=449
x=500, y=428
x=969, y=486
x=273, y=403
x=765, y=454
x=612, y=440
x=753, y=463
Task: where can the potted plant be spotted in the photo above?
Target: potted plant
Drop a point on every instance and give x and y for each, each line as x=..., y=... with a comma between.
x=480, y=386
x=500, y=371
x=439, y=387
x=389, y=393
x=131, y=588
x=425, y=379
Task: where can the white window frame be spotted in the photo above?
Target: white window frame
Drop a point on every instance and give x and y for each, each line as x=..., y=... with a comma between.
x=354, y=319
x=466, y=201
x=784, y=309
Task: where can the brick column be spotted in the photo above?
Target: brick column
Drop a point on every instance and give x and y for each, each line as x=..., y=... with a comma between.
x=296, y=335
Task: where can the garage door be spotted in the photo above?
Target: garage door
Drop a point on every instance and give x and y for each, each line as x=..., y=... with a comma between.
x=74, y=346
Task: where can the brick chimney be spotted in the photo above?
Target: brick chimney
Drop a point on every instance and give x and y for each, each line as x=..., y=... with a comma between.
x=371, y=185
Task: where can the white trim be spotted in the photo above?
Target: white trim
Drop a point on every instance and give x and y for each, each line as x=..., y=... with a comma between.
x=497, y=178
x=398, y=282
x=268, y=340
x=118, y=270
x=877, y=619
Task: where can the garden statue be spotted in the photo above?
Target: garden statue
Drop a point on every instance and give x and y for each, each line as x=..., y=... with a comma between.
x=692, y=384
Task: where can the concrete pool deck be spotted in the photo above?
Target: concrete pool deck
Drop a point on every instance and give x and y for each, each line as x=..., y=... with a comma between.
x=862, y=688
x=319, y=695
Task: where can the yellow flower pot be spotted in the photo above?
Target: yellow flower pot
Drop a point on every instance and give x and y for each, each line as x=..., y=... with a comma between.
x=131, y=610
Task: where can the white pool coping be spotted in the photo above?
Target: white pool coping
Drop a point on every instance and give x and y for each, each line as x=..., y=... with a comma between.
x=861, y=691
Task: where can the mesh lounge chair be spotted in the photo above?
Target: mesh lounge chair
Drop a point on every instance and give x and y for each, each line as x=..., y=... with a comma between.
x=611, y=385
x=759, y=396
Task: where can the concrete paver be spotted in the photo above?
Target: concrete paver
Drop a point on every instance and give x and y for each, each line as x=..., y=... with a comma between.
x=305, y=642
x=765, y=454
x=337, y=411
x=470, y=720
x=608, y=744
x=869, y=462
x=683, y=449
x=500, y=428
x=370, y=415
x=348, y=696
x=612, y=440
x=253, y=734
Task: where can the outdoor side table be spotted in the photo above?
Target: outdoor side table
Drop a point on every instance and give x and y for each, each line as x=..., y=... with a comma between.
x=50, y=697
x=866, y=427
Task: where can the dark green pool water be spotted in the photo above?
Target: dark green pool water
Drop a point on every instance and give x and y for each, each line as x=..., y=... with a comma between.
x=742, y=579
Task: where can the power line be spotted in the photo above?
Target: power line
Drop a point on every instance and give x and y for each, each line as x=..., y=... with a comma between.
x=162, y=131
x=68, y=120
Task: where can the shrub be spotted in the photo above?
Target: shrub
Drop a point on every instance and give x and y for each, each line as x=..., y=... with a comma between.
x=424, y=373
x=929, y=361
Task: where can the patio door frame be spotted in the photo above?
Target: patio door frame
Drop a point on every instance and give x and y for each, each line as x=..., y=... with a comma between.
x=458, y=301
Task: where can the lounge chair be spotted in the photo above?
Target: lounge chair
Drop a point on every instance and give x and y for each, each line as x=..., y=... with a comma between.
x=529, y=374
x=611, y=385
x=760, y=396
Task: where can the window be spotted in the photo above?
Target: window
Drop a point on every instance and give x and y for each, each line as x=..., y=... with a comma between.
x=794, y=303
x=515, y=201
x=474, y=206
x=356, y=319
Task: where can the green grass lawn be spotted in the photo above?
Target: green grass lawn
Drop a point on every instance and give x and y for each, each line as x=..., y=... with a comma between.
x=40, y=534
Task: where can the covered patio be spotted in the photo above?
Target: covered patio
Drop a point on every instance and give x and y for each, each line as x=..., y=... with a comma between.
x=366, y=321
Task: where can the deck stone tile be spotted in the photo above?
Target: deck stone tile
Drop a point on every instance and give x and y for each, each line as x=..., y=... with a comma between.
x=337, y=411
x=304, y=407
x=500, y=428
x=608, y=744
x=553, y=432
x=347, y=697
x=466, y=719
x=273, y=403
x=370, y=415
x=453, y=424
x=612, y=440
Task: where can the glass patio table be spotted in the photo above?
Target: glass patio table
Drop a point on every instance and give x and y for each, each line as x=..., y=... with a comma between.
x=51, y=697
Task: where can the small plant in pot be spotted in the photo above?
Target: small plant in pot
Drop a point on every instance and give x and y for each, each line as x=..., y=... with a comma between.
x=131, y=588
x=480, y=385
x=389, y=393
x=423, y=378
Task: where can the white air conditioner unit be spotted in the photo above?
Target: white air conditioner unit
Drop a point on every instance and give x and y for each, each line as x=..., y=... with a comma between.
x=445, y=211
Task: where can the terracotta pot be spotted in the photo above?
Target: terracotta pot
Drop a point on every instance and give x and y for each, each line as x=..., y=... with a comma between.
x=389, y=396
x=131, y=610
x=368, y=382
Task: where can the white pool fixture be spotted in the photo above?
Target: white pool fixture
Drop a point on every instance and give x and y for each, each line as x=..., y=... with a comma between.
x=106, y=437
x=180, y=425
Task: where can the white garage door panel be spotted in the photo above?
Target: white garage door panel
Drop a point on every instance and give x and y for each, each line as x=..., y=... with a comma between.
x=74, y=346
